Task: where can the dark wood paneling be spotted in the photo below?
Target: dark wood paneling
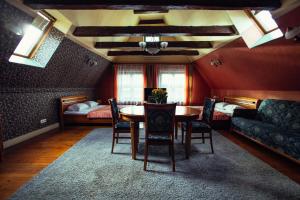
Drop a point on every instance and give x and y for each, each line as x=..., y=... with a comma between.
x=161, y=53
x=155, y=4
x=185, y=44
x=103, y=31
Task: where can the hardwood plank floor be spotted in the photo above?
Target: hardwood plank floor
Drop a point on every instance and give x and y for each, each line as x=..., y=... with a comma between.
x=24, y=161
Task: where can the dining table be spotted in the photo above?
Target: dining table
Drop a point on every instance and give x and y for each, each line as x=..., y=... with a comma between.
x=135, y=115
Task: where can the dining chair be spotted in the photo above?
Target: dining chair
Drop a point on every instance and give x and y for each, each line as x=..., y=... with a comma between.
x=204, y=125
x=118, y=125
x=159, y=128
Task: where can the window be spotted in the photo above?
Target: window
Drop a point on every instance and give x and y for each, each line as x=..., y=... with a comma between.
x=130, y=83
x=173, y=78
x=33, y=35
x=265, y=20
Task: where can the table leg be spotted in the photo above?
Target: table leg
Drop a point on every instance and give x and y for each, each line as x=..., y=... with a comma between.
x=134, y=130
x=188, y=139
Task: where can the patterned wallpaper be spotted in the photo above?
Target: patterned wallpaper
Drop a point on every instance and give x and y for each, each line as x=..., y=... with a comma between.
x=23, y=109
x=29, y=94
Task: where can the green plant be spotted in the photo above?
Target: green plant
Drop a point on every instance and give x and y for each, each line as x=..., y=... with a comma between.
x=160, y=95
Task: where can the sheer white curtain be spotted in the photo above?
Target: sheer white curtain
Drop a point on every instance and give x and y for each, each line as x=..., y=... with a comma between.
x=173, y=77
x=130, y=83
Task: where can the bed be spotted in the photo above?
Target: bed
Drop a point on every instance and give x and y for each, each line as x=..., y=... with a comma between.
x=100, y=114
x=222, y=117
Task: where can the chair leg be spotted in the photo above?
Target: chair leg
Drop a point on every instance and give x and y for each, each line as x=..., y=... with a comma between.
x=173, y=156
x=176, y=130
x=170, y=150
x=117, y=138
x=203, y=140
x=182, y=134
x=211, y=142
x=113, y=142
x=145, y=155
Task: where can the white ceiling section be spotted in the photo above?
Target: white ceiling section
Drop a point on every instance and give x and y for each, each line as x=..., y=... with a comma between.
x=128, y=18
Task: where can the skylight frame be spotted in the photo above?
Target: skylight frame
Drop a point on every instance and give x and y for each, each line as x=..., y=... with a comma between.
x=252, y=14
x=41, y=39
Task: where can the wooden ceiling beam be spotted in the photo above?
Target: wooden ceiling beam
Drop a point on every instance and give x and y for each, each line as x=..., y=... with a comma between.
x=151, y=21
x=161, y=53
x=171, y=44
x=115, y=31
x=154, y=4
x=143, y=12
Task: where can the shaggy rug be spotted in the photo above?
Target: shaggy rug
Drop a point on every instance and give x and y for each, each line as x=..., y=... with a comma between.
x=89, y=171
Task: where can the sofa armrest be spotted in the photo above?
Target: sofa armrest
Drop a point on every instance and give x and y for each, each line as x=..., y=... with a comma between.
x=245, y=113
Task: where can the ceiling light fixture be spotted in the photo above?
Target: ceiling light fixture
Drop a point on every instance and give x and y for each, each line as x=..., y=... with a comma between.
x=152, y=44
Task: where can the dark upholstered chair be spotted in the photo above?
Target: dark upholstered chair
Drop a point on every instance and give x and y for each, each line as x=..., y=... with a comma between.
x=159, y=128
x=118, y=125
x=204, y=125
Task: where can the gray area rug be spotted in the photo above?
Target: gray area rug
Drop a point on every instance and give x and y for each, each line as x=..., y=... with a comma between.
x=89, y=171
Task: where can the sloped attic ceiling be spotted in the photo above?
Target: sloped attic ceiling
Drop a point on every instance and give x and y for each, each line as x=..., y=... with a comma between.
x=128, y=18
x=93, y=16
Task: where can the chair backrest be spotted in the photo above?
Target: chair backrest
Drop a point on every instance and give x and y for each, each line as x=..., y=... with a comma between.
x=208, y=110
x=159, y=119
x=114, y=110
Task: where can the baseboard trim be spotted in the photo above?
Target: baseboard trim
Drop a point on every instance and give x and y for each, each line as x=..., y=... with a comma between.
x=29, y=135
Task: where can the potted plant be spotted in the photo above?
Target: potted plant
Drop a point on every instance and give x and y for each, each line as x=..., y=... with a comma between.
x=160, y=95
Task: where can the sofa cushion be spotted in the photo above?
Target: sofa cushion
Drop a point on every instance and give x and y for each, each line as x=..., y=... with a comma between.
x=254, y=129
x=281, y=113
x=286, y=142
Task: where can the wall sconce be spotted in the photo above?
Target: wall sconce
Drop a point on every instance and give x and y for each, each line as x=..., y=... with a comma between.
x=91, y=62
x=215, y=62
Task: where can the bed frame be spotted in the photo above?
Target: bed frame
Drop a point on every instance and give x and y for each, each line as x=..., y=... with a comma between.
x=77, y=119
x=246, y=102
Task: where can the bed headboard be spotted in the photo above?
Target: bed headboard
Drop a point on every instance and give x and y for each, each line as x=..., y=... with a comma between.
x=250, y=103
x=69, y=100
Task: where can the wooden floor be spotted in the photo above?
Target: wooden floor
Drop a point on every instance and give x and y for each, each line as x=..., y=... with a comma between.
x=24, y=161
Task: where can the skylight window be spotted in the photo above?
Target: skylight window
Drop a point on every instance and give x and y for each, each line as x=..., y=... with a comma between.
x=265, y=20
x=33, y=36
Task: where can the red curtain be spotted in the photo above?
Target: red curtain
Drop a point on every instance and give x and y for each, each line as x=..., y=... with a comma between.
x=187, y=85
x=115, y=81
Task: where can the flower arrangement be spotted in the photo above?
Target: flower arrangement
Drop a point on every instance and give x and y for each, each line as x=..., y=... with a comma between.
x=160, y=95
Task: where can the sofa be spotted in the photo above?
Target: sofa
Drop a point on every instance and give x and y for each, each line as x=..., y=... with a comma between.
x=275, y=124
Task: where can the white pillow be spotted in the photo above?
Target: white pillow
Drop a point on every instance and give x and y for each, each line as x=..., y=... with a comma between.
x=231, y=107
x=221, y=105
x=91, y=104
x=78, y=107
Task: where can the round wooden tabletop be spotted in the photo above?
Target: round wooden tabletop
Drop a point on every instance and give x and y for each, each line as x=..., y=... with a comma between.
x=136, y=113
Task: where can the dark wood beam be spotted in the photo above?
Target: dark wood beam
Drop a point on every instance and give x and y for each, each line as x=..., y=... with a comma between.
x=103, y=31
x=161, y=53
x=172, y=44
x=139, y=12
x=155, y=4
x=151, y=21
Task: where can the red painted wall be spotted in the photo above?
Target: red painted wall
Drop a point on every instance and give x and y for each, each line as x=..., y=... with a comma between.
x=200, y=88
x=273, y=67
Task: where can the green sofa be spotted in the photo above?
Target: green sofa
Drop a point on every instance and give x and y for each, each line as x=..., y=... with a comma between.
x=276, y=124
